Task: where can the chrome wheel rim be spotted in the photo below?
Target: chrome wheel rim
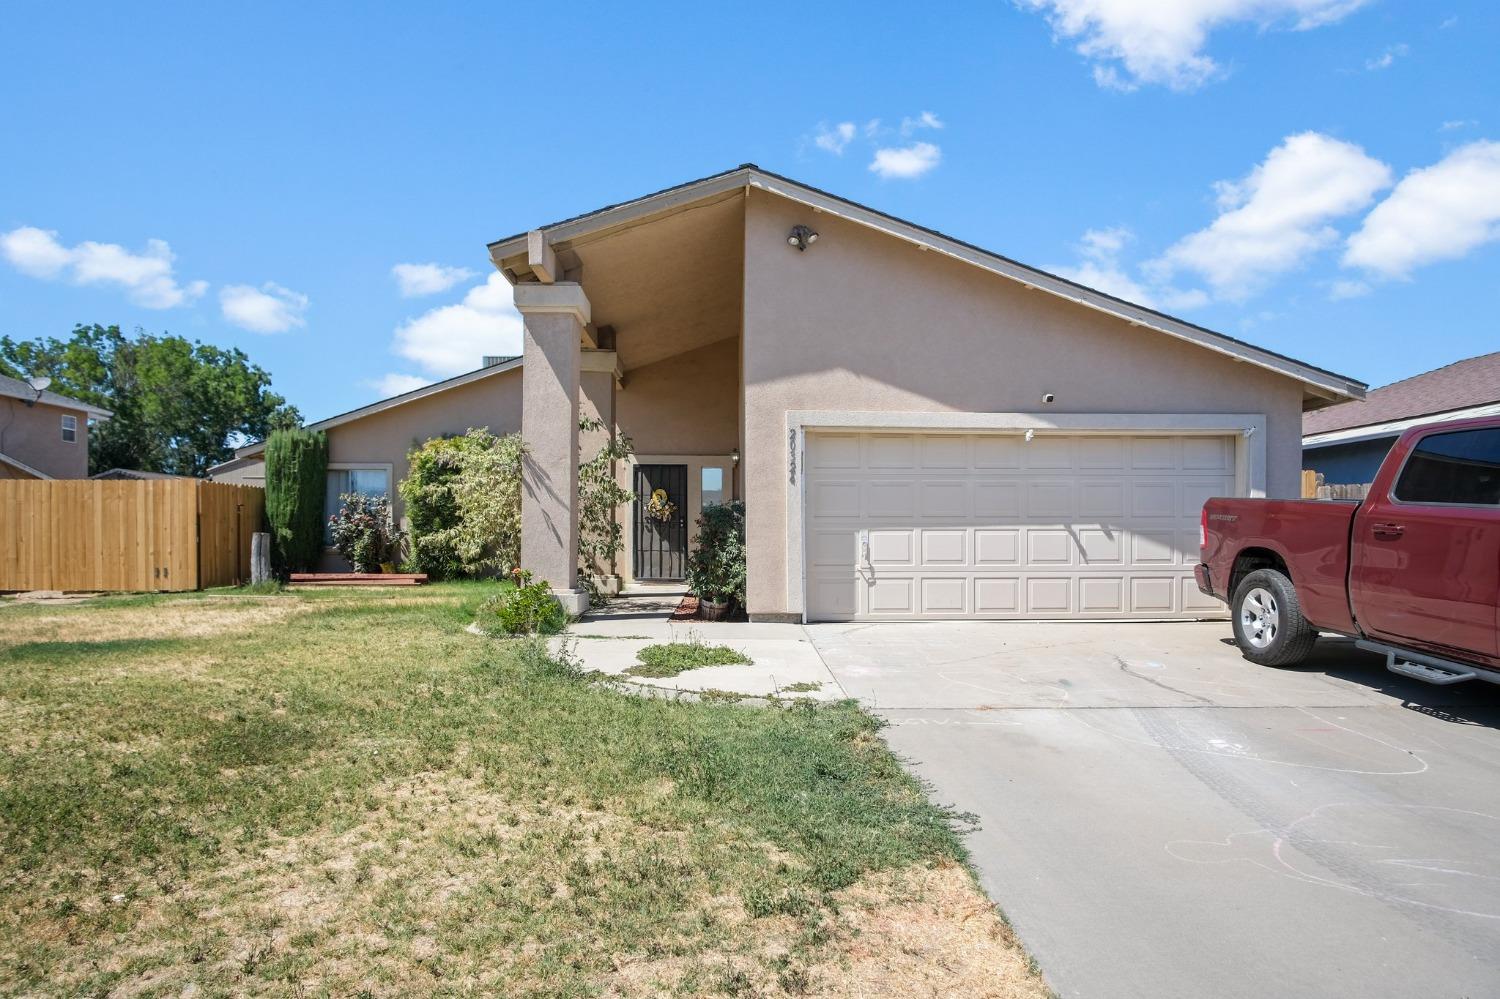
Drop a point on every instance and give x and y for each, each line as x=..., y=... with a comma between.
x=1260, y=617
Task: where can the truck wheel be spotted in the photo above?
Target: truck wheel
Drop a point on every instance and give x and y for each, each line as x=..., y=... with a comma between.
x=1268, y=623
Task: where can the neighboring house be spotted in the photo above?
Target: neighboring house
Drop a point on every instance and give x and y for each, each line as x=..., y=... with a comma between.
x=135, y=473
x=919, y=428
x=1347, y=443
x=43, y=435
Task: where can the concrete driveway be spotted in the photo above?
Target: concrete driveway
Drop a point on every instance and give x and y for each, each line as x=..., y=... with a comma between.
x=1160, y=818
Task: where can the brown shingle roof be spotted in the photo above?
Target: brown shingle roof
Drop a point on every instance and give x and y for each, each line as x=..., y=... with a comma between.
x=1461, y=384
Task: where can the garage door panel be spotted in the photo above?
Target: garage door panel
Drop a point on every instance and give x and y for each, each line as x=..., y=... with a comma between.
x=997, y=594
x=1049, y=595
x=992, y=526
x=997, y=500
x=1052, y=500
x=945, y=548
x=1101, y=595
x=945, y=500
x=885, y=500
x=888, y=451
x=945, y=451
x=1049, y=546
x=892, y=595
x=1000, y=546
x=944, y=596
x=892, y=547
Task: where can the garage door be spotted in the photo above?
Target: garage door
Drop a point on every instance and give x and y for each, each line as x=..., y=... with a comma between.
x=905, y=526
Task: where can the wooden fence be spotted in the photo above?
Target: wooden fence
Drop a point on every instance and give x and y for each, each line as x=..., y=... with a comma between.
x=130, y=534
x=1313, y=487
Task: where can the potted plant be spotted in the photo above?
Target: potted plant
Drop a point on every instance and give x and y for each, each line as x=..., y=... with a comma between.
x=716, y=564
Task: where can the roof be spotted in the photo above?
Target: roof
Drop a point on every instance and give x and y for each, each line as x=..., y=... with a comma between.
x=502, y=364
x=18, y=389
x=14, y=463
x=1461, y=385
x=135, y=473
x=1321, y=382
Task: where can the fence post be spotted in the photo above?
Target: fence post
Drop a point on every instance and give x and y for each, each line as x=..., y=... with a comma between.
x=260, y=557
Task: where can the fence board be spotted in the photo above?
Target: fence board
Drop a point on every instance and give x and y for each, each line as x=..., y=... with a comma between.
x=144, y=534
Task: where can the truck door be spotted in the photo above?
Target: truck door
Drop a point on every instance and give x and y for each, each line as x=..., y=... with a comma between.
x=1425, y=555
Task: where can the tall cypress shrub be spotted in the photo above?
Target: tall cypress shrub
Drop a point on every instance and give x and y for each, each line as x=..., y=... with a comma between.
x=296, y=480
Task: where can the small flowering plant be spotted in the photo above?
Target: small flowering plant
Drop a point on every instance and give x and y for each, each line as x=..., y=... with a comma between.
x=363, y=532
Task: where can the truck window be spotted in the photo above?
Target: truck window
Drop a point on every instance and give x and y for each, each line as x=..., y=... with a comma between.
x=1460, y=467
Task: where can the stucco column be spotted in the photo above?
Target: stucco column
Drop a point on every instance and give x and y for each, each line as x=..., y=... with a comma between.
x=555, y=315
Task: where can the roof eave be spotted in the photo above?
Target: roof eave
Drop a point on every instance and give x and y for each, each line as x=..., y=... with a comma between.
x=1323, y=384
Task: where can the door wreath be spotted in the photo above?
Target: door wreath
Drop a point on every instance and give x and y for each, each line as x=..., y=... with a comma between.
x=659, y=507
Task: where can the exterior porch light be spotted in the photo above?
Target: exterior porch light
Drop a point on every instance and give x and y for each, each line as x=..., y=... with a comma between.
x=734, y=456
x=801, y=237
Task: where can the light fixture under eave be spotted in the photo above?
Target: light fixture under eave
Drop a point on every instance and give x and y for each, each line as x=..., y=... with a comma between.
x=734, y=456
x=801, y=237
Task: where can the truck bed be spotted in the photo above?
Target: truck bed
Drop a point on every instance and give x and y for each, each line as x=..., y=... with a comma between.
x=1310, y=536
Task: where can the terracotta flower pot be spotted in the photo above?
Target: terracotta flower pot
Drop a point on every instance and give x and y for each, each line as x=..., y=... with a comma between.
x=713, y=610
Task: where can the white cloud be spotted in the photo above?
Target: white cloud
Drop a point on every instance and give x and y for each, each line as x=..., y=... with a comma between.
x=1100, y=268
x=1457, y=123
x=834, y=139
x=1440, y=212
x=1387, y=58
x=147, y=277
x=906, y=162
x=1340, y=290
x=452, y=339
x=1132, y=42
x=396, y=383
x=267, y=309
x=1271, y=221
x=924, y=120
x=427, y=279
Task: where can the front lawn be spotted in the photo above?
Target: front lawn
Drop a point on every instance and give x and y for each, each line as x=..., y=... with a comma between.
x=345, y=792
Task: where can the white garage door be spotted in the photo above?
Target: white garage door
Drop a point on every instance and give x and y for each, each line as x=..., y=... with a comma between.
x=915, y=525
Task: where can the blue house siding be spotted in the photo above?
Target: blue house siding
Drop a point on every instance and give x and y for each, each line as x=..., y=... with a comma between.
x=1348, y=464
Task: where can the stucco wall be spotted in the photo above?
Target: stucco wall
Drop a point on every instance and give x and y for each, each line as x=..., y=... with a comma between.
x=686, y=404
x=863, y=321
x=384, y=438
x=33, y=436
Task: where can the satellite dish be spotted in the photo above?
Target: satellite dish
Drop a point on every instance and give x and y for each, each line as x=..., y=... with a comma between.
x=39, y=383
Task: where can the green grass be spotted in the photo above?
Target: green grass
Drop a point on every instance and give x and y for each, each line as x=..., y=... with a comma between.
x=671, y=658
x=802, y=687
x=340, y=790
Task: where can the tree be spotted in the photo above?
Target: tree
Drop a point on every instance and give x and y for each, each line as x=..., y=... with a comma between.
x=296, y=480
x=179, y=406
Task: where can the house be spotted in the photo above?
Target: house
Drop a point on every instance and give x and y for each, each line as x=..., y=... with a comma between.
x=121, y=474
x=1347, y=443
x=43, y=435
x=919, y=428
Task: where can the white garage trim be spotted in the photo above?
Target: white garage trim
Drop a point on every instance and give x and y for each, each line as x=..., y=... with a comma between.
x=1248, y=430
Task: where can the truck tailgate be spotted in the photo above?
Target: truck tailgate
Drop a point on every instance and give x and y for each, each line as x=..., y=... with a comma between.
x=1311, y=537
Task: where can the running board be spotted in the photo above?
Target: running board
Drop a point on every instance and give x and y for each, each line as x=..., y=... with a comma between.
x=1428, y=669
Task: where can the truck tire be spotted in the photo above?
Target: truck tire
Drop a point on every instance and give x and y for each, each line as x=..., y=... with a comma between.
x=1268, y=623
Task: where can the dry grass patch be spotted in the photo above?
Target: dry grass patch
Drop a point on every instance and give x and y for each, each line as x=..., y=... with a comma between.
x=348, y=794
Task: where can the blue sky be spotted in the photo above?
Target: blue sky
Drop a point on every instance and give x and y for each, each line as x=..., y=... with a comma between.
x=1321, y=177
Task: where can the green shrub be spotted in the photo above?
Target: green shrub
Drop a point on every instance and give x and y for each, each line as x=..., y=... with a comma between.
x=716, y=565
x=463, y=500
x=601, y=536
x=296, y=479
x=529, y=609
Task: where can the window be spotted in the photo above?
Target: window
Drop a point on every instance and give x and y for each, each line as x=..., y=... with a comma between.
x=70, y=429
x=1461, y=467
x=713, y=486
x=341, y=481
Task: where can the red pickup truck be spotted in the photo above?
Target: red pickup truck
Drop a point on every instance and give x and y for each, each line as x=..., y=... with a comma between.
x=1411, y=571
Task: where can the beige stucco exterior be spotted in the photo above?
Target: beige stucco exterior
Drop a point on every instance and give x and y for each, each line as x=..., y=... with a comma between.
x=705, y=337
x=32, y=435
x=865, y=322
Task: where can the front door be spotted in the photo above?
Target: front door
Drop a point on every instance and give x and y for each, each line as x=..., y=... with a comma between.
x=660, y=522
